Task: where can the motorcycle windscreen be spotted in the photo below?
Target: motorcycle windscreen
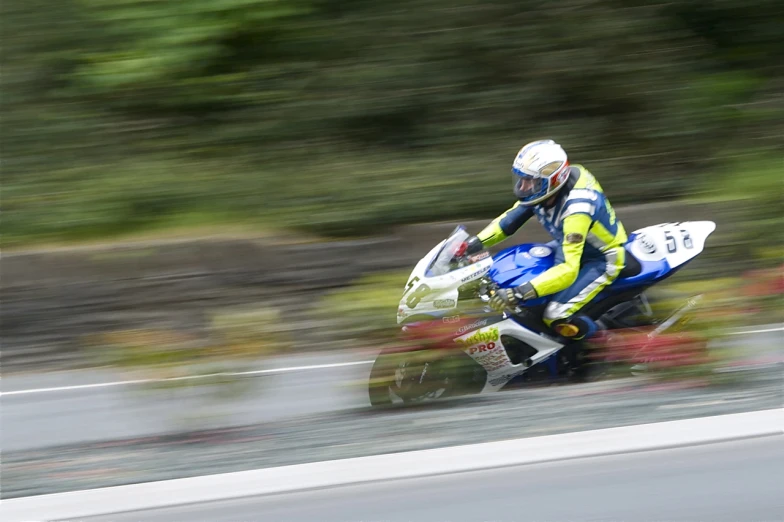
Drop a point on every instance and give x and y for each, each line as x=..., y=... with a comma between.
x=442, y=263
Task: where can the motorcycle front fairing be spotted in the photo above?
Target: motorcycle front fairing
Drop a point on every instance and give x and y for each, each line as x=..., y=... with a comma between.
x=433, y=288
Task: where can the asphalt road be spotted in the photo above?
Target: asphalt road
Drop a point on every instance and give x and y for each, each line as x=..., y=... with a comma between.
x=734, y=481
x=59, y=412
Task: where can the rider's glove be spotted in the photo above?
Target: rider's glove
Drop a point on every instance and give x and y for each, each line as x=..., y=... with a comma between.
x=510, y=297
x=469, y=247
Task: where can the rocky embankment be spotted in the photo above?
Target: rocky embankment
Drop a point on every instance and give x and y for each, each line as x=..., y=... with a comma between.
x=53, y=298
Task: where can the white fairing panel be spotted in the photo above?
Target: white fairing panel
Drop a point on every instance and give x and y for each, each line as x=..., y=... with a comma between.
x=436, y=294
x=485, y=346
x=675, y=242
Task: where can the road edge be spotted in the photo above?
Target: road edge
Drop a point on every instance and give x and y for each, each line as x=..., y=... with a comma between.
x=627, y=439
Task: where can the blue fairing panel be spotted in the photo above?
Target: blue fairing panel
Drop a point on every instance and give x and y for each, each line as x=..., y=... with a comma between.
x=652, y=271
x=516, y=265
x=519, y=264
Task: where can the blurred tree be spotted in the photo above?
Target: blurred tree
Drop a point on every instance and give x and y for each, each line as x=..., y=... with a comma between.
x=197, y=56
x=339, y=115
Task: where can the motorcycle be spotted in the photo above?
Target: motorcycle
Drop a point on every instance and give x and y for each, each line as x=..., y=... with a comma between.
x=458, y=345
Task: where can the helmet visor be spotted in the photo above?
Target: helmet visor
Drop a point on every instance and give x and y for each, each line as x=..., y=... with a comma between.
x=527, y=187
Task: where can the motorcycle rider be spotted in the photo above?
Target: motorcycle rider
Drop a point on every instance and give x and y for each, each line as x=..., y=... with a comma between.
x=589, y=239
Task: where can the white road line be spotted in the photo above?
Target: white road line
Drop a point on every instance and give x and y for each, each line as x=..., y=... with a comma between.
x=766, y=330
x=270, y=371
x=456, y=459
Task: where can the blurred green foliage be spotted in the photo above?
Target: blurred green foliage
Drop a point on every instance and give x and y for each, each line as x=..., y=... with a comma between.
x=237, y=337
x=366, y=309
x=342, y=115
x=754, y=183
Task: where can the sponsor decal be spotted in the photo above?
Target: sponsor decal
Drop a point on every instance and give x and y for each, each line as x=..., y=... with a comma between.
x=478, y=257
x=477, y=324
x=486, y=349
x=474, y=275
x=493, y=360
x=479, y=348
x=451, y=319
x=486, y=336
x=444, y=303
x=574, y=238
x=540, y=251
x=504, y=378
x=647, y=244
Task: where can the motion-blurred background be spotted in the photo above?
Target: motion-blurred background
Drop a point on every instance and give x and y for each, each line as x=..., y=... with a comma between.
x=200, y=185
x=347, y=116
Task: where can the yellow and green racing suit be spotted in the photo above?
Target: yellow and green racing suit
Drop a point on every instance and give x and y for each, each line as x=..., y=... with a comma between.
x=590, y=243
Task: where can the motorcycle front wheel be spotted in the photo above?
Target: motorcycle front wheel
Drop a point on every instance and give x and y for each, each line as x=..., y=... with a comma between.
x=406, y=378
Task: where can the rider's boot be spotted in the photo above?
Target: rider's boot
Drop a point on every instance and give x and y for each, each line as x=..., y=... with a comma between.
x=584, y=333
x=577, y=328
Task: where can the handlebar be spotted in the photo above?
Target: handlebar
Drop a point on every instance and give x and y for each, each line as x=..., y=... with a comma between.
x=487, y=289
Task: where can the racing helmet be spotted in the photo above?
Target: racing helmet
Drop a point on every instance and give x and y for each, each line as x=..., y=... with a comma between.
x=540, y=169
